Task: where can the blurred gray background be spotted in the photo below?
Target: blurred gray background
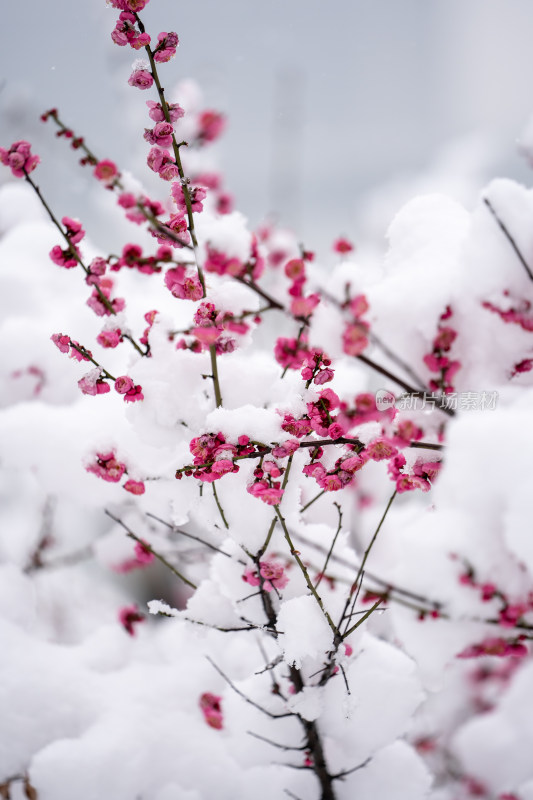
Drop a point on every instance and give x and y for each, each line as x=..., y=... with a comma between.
x=334, y=106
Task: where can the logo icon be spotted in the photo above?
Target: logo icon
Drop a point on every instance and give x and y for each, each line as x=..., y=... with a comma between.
x=384, y=400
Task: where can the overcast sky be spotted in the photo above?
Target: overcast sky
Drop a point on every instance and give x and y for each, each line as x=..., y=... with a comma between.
x=325, y=98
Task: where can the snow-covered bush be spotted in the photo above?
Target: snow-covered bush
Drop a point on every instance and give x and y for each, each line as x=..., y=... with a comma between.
x=275, y=542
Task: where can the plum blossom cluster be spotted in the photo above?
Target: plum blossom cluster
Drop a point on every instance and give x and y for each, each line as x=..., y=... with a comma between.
x=95, y=381
x=68, y=346
x=221, y=263
x=182, y=282
x=301, y=306
x=211, y=327
x=166, y=46
x=317, y=369
x=156, y=113
x=271, y=575
x=68, y=257
x=518, y=311
x=266, y=486
x=292, y=352
x=125, y=386
x=125, y=32
x=196, y=195
x=19, y=158
x=160, y=161
x=132, y=257
x=321, y=419
x=101, y=301
x=341, y=475
x=420, y=476
x=438, y=360
x=214, y=456
x=139, y=209
x=496, y=646
x=105, y=465
x=510, y=612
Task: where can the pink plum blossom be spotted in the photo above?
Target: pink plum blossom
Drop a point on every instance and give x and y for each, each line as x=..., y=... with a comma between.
x=354, y=338
x=106, y=171
x=219, y=262
x=134, y=487
x=157, y=114
x=141, y=79
x=212, y=710
x=134, y=394
x=210, y=126
x=166, y=47
x=342, y=246
x=107, y=467
x=124, y=384
x=74, y=231
x=93, y=384
x=196, y=195
x=61, y=341
x=495, y=646
x=130, y=616
x=109, y=338
x=160, y=134
x=272, y=575
x=64, y=258
x=380, y=449
x=161, y=161
x=264, y=491
x=142, y=550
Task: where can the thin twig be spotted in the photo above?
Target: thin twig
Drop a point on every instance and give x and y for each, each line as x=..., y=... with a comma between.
x=305, y=573
x=244, y=697
x=221, y=510
x=366, y=554
x=276, y=744
x=363, y=618
x=310, y=503
x=333, y=543
x=192, y=536
x=509, y=237
x=150, y=549
x=341, y=775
